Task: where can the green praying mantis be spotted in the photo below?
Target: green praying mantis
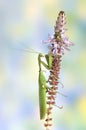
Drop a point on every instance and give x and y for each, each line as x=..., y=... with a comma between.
x=42, y=79
x=42, y=83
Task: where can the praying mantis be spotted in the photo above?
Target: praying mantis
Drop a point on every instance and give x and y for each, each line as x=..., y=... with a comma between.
x=42, y=83
x=43, y=87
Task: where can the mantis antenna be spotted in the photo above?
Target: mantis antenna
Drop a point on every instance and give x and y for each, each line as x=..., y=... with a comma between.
x=27, y=49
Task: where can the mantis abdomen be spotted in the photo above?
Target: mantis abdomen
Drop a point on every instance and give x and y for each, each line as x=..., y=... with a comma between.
x=42, y=95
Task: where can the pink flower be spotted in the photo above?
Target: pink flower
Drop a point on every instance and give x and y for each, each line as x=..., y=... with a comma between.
x=59, y=42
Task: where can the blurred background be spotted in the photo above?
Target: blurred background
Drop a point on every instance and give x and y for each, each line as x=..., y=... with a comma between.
x=23, y=24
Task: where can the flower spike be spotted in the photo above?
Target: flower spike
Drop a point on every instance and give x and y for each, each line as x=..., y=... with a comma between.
x=57, y=44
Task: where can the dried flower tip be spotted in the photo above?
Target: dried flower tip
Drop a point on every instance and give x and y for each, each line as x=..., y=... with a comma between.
x=60, y=22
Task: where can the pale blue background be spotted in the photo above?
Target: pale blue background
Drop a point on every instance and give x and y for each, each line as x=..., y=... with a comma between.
x=23, y=24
